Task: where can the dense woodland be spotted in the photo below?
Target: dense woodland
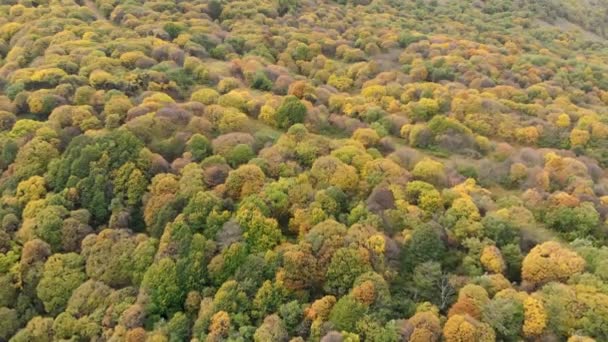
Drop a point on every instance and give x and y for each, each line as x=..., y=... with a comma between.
x=303, y=170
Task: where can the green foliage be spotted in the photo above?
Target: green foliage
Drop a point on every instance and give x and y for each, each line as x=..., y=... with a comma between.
x=291, y=111
x=574, y=223
x=424, y=245
x=199, y=146
x=161, y=282
x=345, y=314
x=346, y=265
x=62, y=274
x=261, y=81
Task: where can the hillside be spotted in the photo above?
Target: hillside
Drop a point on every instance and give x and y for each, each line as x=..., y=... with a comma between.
x=314, y=170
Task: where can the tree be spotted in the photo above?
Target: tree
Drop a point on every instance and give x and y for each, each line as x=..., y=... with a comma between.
x=268, y=298
x=49, y=222
x=261, y=233
x=246, y=180
x=290, y=112
x=110, y=256
x=430, y=171
x=89, y=298
x=505, y=316
x=215, y=8
x=471, y=299
x=330, y=171
x=432, y=284
x=460, y=328
x=199, y=147
x=535, y=317
x=31, y=189
x=9, y=322
x=33, y=158
x=272, y=330
x=424, y=245
x=219, y=327
x=178, y=327
x=62, y=274
x=579, y=137
x=161, y=282
x=424, y=326
x=550, y=262
x=240, y=154
x=346, y=265
x=492, y=260
x=573, y=222
x=345, y=314
x=367, y=136
x=424, y=109
x=38, y=329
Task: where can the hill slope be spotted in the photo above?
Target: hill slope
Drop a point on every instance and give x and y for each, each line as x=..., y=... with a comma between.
x=288, y=170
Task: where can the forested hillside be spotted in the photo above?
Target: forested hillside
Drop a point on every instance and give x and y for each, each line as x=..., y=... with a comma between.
x=303, y=170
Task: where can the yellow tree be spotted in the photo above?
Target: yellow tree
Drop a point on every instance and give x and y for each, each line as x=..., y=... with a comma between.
x=550, y=262
x=463, y=328
x=491, y=259
x=535, y=317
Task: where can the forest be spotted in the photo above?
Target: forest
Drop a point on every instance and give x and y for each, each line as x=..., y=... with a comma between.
x=303, y=170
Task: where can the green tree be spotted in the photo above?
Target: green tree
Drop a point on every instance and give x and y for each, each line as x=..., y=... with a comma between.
x=9, y=322
x=346, y=265
x=425, y=245
x=506, y=316
x=346, y=313
x=199, y=146
x=62, y=274
x=161, y=282
x=38, y=329
x=291, y=111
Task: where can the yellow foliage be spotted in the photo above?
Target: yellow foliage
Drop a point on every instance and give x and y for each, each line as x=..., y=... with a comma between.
x=551, y=262
x=579, y=137
x=376, y=243
x=101, y=78
x=341, y=83
x=8, y=30
x=365, y=292
x=491, y=259
x=51, y=75
x=129, y=58
x=578, y=338
x=426, y=327
x=205, y=96
x=31, y=189
x=220, y=325
x=461, y=328
x=405, y=131
x=430, y=171
x=268, y=115
x=518, y=172
x=563, y=199
x=464, y=207
x=418, y=71
x=367, y=136
x=374, y=92
x=599, y=130
x=527, y=135
x=563, y=120
x=535, y=317
x=321, y=308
